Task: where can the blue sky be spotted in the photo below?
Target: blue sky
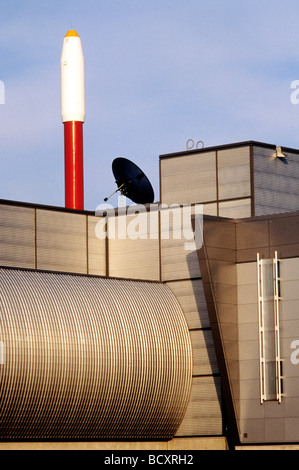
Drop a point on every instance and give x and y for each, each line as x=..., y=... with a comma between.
x=158, y=72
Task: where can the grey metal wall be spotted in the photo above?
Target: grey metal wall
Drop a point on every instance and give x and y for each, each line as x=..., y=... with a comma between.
x=271, y=421
x=204, y=411
x=17, y=236
x=132, y=252
x=276, y=183
x=61, y=241
x=219, y=179
x=243, y=179
x=231, y=248
x=188, y=179
x=68, y=242
x=91, y=358
x=234, y=173
x=55, y=240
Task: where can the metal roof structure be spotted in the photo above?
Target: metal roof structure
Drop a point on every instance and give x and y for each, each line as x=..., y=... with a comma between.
x=91, y=358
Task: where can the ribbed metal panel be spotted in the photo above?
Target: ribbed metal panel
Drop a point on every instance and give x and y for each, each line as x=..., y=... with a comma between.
x=237, y=209
x=96, y=248
x=91, y=358
x=191, y=296
x=189, y=179
x=134, y=246
x=204, y=355
x=61, y=241
x=17, y=236
x=234, y=173
x=204, y=415
x=210, y=209
x=276, y=183
x=178, y=260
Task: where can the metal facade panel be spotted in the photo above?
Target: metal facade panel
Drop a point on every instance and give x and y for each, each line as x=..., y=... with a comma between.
x=276, y=183
x=210, y=209
x=289, y=284
x=96, y=248
x=191, y=296
x=133, y=248
x=256, y=421
x=204, y=415
x=91, y=358
x=234, y=173
x=61, y=241
x=17, y=236
x=204, y=356
x=237, y=209
x=188, y=179
x=178, y=261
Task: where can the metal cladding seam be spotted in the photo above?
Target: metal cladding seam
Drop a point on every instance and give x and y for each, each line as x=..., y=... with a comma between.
x=91, y=358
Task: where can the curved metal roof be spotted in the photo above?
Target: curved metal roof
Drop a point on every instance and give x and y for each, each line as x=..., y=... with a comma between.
x=91, y=358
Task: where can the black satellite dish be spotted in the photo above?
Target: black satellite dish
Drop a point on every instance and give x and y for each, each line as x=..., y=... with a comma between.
x=131, y=181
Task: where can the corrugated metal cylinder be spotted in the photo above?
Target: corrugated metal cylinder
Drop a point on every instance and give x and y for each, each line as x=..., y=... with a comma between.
x=91, y=358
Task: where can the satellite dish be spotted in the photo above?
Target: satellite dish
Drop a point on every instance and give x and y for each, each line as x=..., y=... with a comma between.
x=131, y=181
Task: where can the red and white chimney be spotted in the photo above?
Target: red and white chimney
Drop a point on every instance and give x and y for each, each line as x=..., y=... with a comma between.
x=73, y=116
